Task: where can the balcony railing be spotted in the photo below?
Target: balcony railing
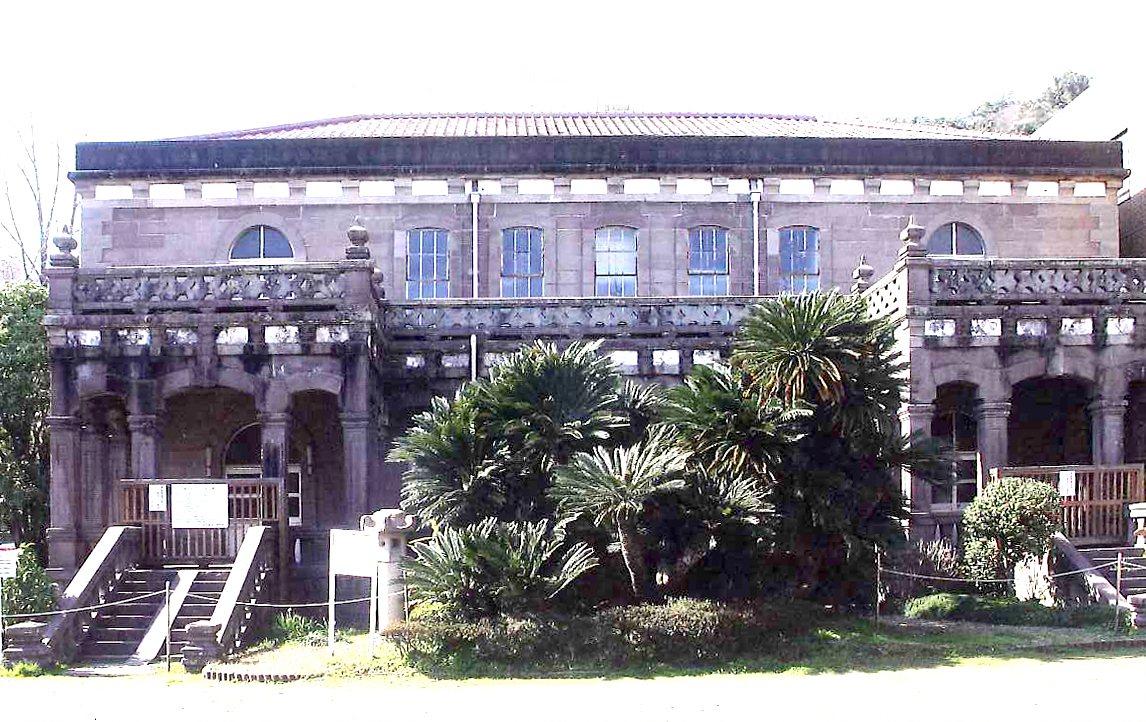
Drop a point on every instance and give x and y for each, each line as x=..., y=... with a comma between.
x=1010, y=281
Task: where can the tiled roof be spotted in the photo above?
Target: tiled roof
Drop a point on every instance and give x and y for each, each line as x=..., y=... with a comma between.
x=708, y=125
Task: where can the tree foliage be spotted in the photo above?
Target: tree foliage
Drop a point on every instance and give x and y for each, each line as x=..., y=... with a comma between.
x=24, y=396
x=31, y=591
x=1007, y=115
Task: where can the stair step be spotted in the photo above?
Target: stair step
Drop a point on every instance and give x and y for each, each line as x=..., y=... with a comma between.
x=117, y=634
x=98, y=647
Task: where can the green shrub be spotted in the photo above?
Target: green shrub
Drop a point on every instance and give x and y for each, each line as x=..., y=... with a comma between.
x=1012, y=519
x=490, y=568
x=1006, y=611
x=935, y=558
x=31, y=590
x=683, y=631
x=290, y=627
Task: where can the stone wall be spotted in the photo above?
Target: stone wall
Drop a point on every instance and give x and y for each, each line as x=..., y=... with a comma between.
x=142, y=230
x=1132, y=226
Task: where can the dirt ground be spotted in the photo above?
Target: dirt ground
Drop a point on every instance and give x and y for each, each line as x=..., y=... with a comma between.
x=982, y=689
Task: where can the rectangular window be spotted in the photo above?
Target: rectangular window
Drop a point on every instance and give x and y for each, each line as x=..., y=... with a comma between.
x=521, y=263
x=615, y=249
x=708, y=261
x=799, y=259
x=427, y=264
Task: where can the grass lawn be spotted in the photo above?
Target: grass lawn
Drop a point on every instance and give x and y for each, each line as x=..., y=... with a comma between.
x=838, y=645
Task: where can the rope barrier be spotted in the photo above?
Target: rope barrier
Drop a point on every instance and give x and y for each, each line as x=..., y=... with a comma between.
x=995, y=581
x=78, y=610
x=300, y=605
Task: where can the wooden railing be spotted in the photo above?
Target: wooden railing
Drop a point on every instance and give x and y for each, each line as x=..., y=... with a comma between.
x=1096, y=512
x=250, y=503
x=236, y=619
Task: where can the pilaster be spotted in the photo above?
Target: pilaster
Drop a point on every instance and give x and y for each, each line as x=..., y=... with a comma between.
x=992, y=418
x=1107, y=429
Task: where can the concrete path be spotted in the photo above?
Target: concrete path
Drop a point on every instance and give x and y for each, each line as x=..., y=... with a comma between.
x=979, y=689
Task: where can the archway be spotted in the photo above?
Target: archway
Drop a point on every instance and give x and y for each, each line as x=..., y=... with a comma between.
x=1049, y=423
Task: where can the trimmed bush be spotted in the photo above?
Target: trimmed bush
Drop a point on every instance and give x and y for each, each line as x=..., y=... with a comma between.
x=1005, y=610
x=683, y=631
x=1012, y=519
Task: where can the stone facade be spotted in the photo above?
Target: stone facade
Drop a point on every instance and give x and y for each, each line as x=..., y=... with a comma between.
x=172, y=360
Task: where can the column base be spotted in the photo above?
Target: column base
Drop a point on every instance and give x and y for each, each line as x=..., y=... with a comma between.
x=65, y=552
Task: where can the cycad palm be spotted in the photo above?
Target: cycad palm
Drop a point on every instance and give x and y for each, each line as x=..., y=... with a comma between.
x=613, y=486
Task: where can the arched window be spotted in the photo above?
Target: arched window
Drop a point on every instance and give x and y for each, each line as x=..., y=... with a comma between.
x=955, y=423
x=708, y=261
x=956, y=239
x=261, y=242
x=521, y=262
x=615, y=251
x=799, y=259
x=427, y=263
x=243, y=460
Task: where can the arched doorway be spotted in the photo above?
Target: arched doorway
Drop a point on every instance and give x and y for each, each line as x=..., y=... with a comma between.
x=243, y=460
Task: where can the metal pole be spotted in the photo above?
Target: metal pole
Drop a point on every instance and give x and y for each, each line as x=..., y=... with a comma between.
x=1, y=622
x=167, y=610
x=1117, y=606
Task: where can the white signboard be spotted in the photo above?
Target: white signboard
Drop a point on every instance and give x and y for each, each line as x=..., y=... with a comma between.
x=198, y=506
x=1066, y=484
x=354, y=553
x=8, y=557
x=157, y=497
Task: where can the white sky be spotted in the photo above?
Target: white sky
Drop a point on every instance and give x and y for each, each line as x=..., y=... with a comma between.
x=135, y=71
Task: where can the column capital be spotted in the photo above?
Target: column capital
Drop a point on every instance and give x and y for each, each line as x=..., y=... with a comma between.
x=917, y=410
x=993, y=410
x=1107, y=406
x=146, y=424
x=62, y=422
x=274, y=418
x=354, y=419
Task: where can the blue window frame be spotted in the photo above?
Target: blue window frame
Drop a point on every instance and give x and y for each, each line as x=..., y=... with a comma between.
x=522, y=259
x=615, y=252
x=799, y=259
x=708, y=261
x=427, y=263
x=956, y=239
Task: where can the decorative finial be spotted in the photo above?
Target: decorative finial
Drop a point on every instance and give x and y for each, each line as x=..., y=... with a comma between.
x=66, y=242
x=862, y=275
x=358, y=236
x=911, y=237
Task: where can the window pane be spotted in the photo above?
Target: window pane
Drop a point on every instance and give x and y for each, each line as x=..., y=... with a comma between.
x=442, y=289
x=412, y=290
x=602, y=286
x=507, y=288
x=275, y=244
x=535, y=287
x=721, y=286
x=965, y=469
x=442, y=242
x=966, y=493
x=535, y=259
x=248, y=244
x=414, y=239
x=941, y=240
x=968, y=242
x=694, y=285
x=941, y=494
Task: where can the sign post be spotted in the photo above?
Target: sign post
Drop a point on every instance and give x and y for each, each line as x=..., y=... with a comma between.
x=9, y=555
x=353, y=554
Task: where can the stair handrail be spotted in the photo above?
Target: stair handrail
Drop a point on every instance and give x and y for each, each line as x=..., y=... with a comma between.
x=252, y=580
x=58, y=639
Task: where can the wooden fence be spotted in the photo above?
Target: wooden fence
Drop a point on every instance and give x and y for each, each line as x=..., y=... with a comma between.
x=250, y=502
x=1096, y=512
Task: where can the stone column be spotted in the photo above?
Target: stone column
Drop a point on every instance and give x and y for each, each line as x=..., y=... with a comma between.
x=916, y=418
x=145, y=433
x=1107, y=421
x=64, y=553
x=356, y=463
x=275, y=429
x=94, y=486
x=992, y=419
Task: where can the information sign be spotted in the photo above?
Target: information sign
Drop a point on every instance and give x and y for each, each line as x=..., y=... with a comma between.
x=353, y=553
x=1066, y=483
x=157, y=497
x=8, y=557
x=199, y=506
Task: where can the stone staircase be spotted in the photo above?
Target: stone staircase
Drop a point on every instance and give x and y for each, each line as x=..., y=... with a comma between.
x=208, y=584
x=1133, y=580
x=116, y=632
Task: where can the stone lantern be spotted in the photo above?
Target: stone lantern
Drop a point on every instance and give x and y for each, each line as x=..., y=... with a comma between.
x=392, y=526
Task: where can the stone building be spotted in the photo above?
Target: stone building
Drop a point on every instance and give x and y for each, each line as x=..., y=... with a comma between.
x=277, y=303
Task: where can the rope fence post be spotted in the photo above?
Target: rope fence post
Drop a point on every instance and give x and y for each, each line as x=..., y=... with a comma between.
x=1118, y=589
x=878, y=582
x=167, y=614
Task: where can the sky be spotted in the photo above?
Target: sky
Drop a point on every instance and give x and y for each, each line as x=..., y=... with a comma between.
x=136, y=71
